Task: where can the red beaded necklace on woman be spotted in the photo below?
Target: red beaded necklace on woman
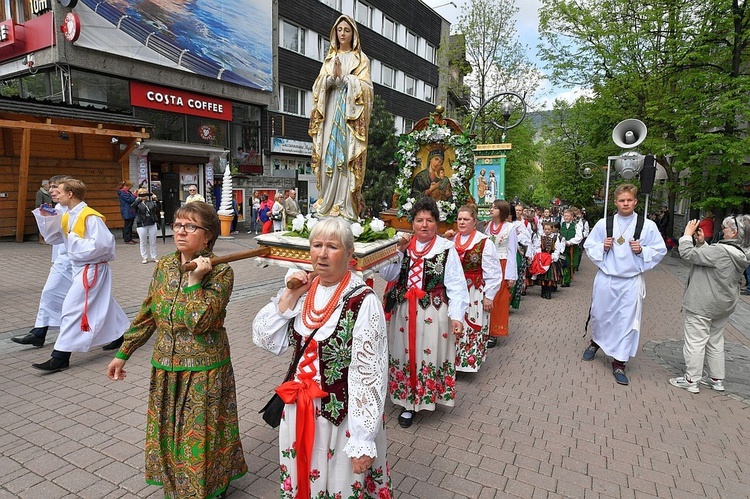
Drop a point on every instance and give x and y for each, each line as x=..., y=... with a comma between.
x=494, y=231
x=461, y=248
x=314, y=318
x=419, y=254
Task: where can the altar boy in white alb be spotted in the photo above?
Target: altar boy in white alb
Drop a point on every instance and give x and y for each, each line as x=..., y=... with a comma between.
x=619, y=288
x=90, y=315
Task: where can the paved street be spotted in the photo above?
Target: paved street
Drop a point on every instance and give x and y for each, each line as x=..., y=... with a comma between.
x=535, y=422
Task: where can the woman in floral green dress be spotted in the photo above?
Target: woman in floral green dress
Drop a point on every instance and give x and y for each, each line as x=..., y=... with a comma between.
x=193, y=446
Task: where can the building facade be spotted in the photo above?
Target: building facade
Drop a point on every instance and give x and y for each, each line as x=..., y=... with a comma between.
x=221, y=81
x=401, y=39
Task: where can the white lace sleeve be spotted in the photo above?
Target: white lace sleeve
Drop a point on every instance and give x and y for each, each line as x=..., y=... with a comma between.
x=491, y=270
x=270, y=327
x=368, y=379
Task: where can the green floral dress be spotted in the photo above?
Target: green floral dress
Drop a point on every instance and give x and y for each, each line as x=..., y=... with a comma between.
x=193, y=446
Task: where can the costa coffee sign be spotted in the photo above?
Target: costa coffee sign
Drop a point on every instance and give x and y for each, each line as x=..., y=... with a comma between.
x=178, y=101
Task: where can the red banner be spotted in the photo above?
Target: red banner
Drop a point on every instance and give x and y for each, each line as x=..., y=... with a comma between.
x=179, y=101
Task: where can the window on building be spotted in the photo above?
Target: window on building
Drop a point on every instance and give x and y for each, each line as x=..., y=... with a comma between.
x=430, y=53
x=390, y=29
x=364, y=14
x=411, y=41
x=323, y=47
x=292, y=37
x=334, y=4
x=429, y=93
x=293, y=100
x=388, y=76
x=407, y=125
x=410, y=85
x=18, y=10
x=167, y=126
x=101, y=91
x=246, y=132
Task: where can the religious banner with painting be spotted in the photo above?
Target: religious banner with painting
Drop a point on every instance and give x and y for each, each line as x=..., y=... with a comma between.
x=488, y=182
x=435, y=159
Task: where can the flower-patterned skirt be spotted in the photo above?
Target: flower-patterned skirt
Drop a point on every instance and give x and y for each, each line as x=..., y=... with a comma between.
x=435, y=358
x=193, y=446
x=331, y=474
x=471, y=349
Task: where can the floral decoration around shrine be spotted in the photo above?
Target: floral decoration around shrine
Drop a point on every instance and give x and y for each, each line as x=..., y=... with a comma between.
x=463, y=168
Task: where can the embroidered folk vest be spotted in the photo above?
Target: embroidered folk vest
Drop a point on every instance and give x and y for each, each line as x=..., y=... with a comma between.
x=334, y=357
x=471, y=261
x=501, y=240
x=80, y=226
x=548, y=243
x=432, y=281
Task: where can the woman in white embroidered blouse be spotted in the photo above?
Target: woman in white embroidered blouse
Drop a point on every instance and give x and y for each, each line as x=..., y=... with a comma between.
x=503, y=234
x=333, y=430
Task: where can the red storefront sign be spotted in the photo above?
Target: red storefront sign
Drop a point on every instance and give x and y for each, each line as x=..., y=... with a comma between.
x=35, y=34
x=178, y=101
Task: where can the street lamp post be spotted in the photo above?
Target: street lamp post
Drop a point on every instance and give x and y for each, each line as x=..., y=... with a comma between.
x=491, y=155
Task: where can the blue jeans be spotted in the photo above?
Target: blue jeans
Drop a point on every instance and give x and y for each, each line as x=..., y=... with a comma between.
x=254, y=226
x=747, y=279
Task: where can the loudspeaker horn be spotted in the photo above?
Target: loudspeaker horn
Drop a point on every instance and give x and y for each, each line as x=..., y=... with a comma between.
x=629, y=133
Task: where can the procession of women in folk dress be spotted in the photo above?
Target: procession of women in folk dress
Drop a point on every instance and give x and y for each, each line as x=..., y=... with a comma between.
x=448, y=302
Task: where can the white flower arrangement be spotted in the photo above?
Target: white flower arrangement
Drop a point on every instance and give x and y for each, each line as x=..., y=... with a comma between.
x=377, y=225
x=366, y=231
x=298, y=224
x=356, y=229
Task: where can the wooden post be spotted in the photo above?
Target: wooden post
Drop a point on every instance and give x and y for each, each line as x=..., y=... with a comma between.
x=23, y=184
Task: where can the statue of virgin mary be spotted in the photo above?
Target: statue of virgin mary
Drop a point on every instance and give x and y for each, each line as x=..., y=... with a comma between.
x=342, y=104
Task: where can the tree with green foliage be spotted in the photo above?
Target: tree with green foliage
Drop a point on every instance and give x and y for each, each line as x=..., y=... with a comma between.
x=679, y=66
x=496, y=56
x=381, y=172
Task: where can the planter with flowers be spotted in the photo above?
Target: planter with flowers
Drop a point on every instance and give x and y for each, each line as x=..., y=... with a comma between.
x=374, y=245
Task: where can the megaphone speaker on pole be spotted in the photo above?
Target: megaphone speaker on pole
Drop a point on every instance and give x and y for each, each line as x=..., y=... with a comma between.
x=629, y=133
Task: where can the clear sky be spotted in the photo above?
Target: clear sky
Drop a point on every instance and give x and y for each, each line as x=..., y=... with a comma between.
x=527, y=26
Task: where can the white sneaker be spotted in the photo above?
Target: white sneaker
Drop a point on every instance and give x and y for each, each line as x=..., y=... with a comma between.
x=683, y=382
x=717, y=385
x=144, y=260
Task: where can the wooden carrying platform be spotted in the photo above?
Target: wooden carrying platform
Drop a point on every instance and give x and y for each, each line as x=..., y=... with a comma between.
x=294, y=253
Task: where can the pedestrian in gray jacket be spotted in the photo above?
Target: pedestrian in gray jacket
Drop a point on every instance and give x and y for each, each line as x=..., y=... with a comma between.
x=710, y=298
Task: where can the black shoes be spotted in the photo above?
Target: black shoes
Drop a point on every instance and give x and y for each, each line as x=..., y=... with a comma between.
x=29, y=339
x=492, y=342
x=405, y=418
x=53, y=365
x=114, y=345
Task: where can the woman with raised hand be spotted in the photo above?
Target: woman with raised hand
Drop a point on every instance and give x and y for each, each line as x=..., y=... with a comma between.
x=710, y=298
x=193, y=447
x=332, y=437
